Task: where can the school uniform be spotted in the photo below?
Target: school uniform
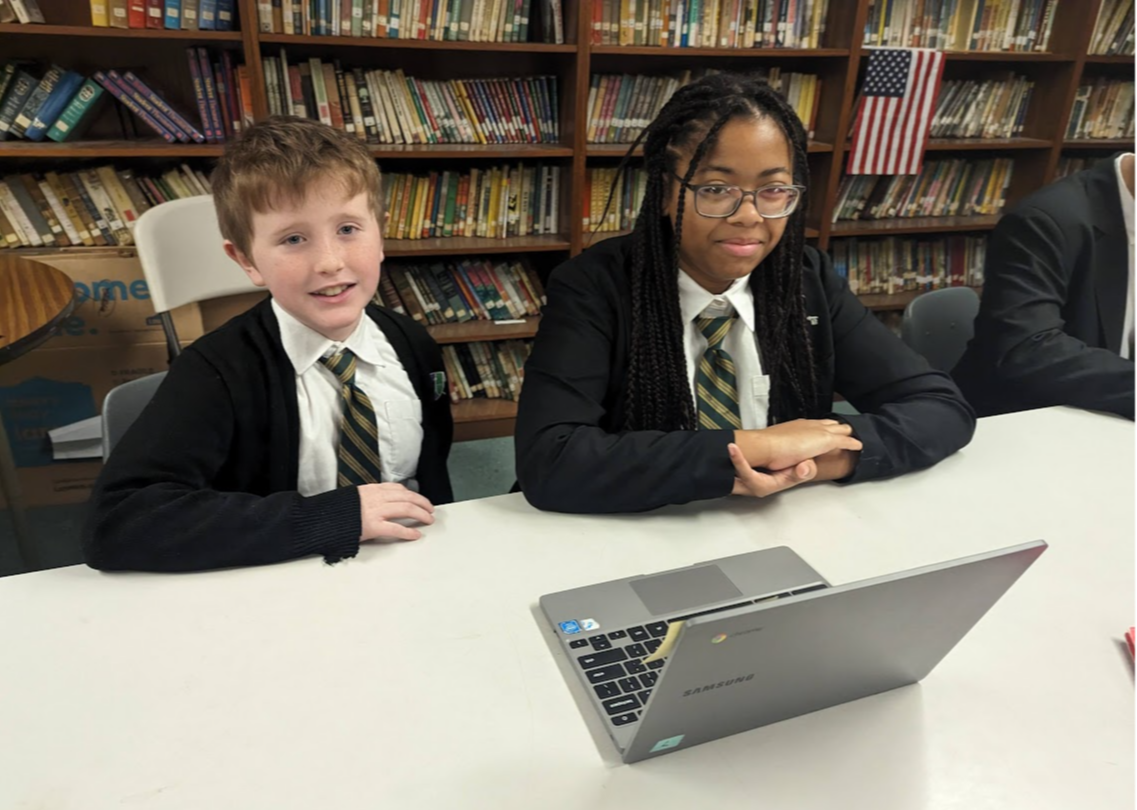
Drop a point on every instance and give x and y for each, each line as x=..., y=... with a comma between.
x=574, y=456
x=234, y=460
x=1055, y=325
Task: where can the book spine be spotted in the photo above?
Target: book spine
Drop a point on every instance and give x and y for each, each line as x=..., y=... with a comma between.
x=53, y=106
x=173, y=15
x=112, y=88
x=155, y=14
x=211, y=103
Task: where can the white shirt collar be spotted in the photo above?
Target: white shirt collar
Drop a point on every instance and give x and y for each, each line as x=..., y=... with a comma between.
x=693, y=299
x=304, y=346
x=1126, y=198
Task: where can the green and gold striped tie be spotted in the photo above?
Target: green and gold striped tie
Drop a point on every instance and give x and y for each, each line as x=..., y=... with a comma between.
x=716, y=383
x=358, y=452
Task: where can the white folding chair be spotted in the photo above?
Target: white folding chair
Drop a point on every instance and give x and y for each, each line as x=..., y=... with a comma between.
x=180, y=247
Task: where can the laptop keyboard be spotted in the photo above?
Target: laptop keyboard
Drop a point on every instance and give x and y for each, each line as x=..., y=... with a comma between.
x=612, y=667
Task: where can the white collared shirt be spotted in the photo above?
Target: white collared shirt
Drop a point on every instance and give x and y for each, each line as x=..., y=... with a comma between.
x=1127, y=214
x=741, y=343
x=378, y=372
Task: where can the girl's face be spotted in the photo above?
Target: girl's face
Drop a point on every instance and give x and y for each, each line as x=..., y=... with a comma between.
x=751, y=154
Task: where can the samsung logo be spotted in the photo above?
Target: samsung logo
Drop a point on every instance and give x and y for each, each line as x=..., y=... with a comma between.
x=719, y=685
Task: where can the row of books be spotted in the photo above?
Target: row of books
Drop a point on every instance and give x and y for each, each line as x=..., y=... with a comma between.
x=1102, y=109
x=495, y=203
x=620, y=106
x=612, y=198
x=183, y=15
x=710, y=23
x=62, y=103
x=897, y=264
x=992, y=108
x=943, y=188
x=387, y=106
x=21, y=11
x=456, y=292
x=1113, y=33
x=92, y=207
x=1069, y=165
x=486, y=369
x=961, y=25
x=448, y=20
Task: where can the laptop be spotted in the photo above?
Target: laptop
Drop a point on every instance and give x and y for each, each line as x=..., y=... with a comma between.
x=763, y=638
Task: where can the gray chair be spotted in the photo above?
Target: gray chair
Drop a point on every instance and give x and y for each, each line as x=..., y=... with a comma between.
x=123, y=405
x=938, y=324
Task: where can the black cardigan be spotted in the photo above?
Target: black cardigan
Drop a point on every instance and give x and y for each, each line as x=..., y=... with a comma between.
x=1050, y=324
x=572, y=455
x=206, y=477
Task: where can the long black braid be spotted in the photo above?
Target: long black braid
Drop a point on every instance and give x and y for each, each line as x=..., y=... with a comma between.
x=659, y=393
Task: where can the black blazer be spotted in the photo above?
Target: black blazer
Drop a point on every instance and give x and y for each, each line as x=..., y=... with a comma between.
x=207, y=475
x=1050, y=323
x=572, y=455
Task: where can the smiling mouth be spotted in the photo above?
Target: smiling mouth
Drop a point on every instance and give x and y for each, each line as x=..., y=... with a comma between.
x=331, y=292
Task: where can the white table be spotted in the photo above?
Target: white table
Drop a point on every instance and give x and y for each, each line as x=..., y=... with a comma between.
x=416, y=676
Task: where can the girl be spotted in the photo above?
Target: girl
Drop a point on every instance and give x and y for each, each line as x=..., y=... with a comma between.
x=698, y=356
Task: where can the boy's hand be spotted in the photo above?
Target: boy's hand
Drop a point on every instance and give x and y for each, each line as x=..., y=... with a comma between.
x=780, y=447
x=382, y=504
x=748, y=481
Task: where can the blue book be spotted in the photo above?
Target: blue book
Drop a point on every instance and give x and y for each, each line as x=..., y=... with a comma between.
x=174, y=15
x=224, y=15
x=64, y=90
x=207, y=15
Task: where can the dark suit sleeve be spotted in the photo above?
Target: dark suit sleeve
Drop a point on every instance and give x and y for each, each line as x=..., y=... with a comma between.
x=566, y=462
x=438, y=428
x=911, y=415
x=154, y=507
x=1033, y=357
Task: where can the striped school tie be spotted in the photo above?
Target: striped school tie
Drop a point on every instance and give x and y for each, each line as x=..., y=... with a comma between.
x=716, y=383
x=358, y=452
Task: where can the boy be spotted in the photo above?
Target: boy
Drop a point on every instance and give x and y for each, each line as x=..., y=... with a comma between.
x=308, y=424
x=1055, y=326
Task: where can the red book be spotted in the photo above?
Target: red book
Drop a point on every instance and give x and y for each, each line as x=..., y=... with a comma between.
x=136, y=14
x=155, y=14
x=1129, y=638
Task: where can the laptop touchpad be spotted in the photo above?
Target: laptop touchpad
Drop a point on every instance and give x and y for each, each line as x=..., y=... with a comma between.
x=681, y=590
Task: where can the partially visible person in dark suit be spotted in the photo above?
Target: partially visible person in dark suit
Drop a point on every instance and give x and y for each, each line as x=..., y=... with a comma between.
x=1055, y=326
x=699, y=356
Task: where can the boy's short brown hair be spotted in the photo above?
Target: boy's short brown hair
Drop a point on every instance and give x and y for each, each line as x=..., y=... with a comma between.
x=276, y=160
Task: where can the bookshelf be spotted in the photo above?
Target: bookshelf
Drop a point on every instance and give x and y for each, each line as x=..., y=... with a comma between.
x=840, y=62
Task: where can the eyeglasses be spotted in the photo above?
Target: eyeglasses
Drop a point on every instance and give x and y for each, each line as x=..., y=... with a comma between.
x=772, y=202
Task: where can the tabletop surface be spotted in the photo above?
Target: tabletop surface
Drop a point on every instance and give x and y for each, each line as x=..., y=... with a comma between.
x=34, y=299
x=417, y=676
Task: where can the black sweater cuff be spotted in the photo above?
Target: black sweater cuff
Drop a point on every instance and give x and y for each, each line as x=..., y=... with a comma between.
x=329, y=523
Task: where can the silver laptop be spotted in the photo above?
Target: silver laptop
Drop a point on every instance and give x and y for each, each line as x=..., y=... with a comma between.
x=764, y=637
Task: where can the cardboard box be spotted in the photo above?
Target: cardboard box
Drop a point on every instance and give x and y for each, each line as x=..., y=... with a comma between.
x=49, y=388
x=219, y=311
x=115, y=307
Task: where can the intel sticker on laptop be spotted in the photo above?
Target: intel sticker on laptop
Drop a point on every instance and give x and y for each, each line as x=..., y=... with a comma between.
x=570, y=628
x=670, y=742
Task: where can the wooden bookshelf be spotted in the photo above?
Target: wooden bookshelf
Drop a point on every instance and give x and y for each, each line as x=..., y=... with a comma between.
x=483, y=419
x=885, y=302
x=484, y=330
x=8, y=30
x=473, y=246
x=72, y=43
x=912, y=225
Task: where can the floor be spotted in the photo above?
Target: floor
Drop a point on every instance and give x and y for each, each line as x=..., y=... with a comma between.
x=477, y=470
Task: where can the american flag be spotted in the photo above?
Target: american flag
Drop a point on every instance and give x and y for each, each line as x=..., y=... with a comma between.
x=899, y=100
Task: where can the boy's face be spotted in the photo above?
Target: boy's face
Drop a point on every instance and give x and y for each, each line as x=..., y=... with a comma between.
x=319, y=257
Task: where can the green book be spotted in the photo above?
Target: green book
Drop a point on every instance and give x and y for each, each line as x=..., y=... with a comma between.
x=451, y=205
x=78, y=113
